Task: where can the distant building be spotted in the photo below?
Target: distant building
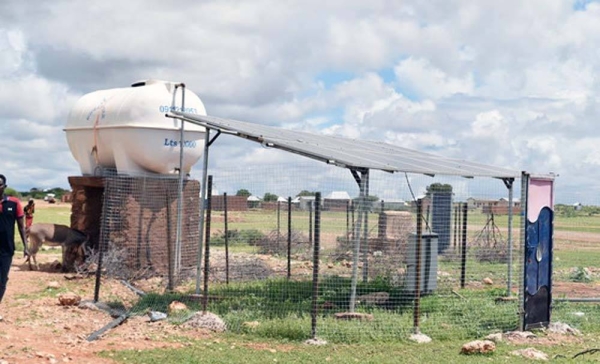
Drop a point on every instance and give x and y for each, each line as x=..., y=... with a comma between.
x=577, y=206
x=234, y=203
x=392, y=204
x=253, y=202
x=497, y=207
x=305, y=202
x=336, y=201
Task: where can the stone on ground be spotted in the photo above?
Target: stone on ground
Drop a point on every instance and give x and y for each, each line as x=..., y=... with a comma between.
x=531, y=353
x=420, y=338
x=478, y=347
x=206, y=320
x=69, y=299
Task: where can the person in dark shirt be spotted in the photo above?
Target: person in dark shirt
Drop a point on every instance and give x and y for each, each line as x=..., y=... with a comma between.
x=11, y=211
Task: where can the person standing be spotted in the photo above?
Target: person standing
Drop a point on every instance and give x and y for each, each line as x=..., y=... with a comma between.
x=11, y=211
x=29, y=211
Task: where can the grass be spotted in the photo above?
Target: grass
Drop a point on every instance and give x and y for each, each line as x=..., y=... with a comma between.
x=282, y=309
x=235, y=349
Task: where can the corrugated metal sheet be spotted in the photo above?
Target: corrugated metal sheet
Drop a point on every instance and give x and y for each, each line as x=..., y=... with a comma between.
x=351, y=153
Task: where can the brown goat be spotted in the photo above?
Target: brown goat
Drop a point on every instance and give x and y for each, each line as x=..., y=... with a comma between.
x=54, y=235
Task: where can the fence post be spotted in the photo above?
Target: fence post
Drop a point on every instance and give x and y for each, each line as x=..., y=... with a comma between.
x=289, y=239
x=315, y=282
x=417, y=302
x=207, y=248
x=463, y=253
x=310, y=223
x=226, y=238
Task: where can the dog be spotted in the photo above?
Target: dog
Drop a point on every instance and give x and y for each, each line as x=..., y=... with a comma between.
x=71, y=240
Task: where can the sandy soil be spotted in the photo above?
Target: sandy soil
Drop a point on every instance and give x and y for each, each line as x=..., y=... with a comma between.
x=36, y=329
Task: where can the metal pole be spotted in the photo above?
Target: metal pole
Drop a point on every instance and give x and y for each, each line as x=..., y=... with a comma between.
x=510, y=242
x=177, y=267
x=347, y=223
x=103, y=230
x=365, y=243
x=202, y=208
x=456, y=213
x=310, y=223
x=207, y=250
x=524, y=203
x=226, y=238
x=316, y=251
x=289, y=239
x=356, y=252
x=580, y=300
x=170, y=247
x=278, y=224
x=417, y=302
x=463, y=253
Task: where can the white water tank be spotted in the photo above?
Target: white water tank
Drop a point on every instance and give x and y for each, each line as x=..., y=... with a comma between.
x=126, y=129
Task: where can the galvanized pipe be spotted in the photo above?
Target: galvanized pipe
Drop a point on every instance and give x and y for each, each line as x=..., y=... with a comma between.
x=177, y=260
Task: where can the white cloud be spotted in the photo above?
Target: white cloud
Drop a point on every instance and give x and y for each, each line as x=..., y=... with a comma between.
x=508, y=83
x=428, y=81
x=490, y=124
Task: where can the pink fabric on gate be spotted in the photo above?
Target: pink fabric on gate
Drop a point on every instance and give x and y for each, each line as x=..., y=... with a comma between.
x=541, y=194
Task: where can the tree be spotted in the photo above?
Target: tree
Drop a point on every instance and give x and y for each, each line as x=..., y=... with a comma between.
x=12, y=192
x=269, y=197
x=306, y=193
x=438, y=187
x=243, y=192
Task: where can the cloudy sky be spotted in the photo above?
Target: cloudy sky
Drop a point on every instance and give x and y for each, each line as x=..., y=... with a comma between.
x=508, y=83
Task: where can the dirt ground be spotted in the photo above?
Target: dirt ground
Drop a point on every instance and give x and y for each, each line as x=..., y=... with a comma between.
x=35, y=328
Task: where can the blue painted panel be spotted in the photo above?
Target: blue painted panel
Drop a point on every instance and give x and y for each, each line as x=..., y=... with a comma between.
x=538, y=269
x=531, y=264
x=545, y=238
x=538, y=252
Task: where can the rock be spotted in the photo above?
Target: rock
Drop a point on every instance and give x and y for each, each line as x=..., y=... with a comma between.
x=420, y=338
x=530, y=353
x=562, y=328
x=69, y=299
x=206, y=320
x=353, y=316
x=53, y=285
x=376, y=298
x=316, y=342
x=157, y=316
x=497, y=337
x=478, y=347
x=176, y=306
x=519, y=335
x=488, y=281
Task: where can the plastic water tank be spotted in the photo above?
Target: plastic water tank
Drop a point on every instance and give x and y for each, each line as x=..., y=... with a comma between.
x=126, y=129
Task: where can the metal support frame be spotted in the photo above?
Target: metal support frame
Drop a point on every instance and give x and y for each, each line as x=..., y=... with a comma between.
x=177, y=257
x=363, y=187
x=203, y=188
x=508, y=182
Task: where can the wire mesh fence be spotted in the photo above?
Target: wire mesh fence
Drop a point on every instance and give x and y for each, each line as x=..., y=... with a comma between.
x=310, y=250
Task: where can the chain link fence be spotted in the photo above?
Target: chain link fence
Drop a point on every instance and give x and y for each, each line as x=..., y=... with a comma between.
x=301, y=251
